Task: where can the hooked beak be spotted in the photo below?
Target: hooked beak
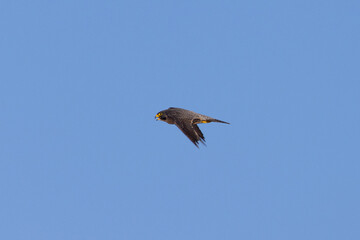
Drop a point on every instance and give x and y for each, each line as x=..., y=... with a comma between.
x=157, y=117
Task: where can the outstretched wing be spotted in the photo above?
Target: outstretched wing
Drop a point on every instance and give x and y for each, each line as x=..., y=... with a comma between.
x=191, y=131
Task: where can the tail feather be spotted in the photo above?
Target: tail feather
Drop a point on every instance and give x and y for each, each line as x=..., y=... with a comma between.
x=216, y=120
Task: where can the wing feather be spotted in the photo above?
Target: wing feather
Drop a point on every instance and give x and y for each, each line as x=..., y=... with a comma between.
x=191, y=131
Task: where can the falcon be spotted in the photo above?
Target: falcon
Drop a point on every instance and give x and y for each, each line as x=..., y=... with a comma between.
x=187, y=121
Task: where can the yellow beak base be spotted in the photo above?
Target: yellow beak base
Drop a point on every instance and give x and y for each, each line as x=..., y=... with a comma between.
x=157, y=117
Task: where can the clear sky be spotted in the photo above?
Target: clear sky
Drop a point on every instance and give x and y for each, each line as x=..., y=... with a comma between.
x=81, y=156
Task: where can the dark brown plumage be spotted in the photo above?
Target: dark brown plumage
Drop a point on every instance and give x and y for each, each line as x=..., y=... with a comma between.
x=187, y=122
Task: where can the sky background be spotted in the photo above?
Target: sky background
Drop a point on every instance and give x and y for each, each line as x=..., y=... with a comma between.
x=81, y=156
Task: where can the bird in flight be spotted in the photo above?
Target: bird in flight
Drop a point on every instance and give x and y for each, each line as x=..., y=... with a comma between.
x=187, y=122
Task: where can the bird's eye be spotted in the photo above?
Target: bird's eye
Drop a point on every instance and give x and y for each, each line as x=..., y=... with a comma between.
x=163, y=118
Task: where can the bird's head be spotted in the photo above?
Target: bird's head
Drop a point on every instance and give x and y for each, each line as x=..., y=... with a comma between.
x=161, y=116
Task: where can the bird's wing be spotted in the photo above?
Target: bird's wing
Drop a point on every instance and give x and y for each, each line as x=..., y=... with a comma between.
x=191, y=131
x=199, y=133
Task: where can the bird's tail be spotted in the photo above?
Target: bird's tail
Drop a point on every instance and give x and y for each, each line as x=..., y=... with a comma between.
x=216, y=120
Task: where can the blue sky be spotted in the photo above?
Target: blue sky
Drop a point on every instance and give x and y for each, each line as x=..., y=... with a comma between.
x=81, y=156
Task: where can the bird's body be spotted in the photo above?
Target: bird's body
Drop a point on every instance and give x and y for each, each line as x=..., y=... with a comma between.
x=187, y=121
